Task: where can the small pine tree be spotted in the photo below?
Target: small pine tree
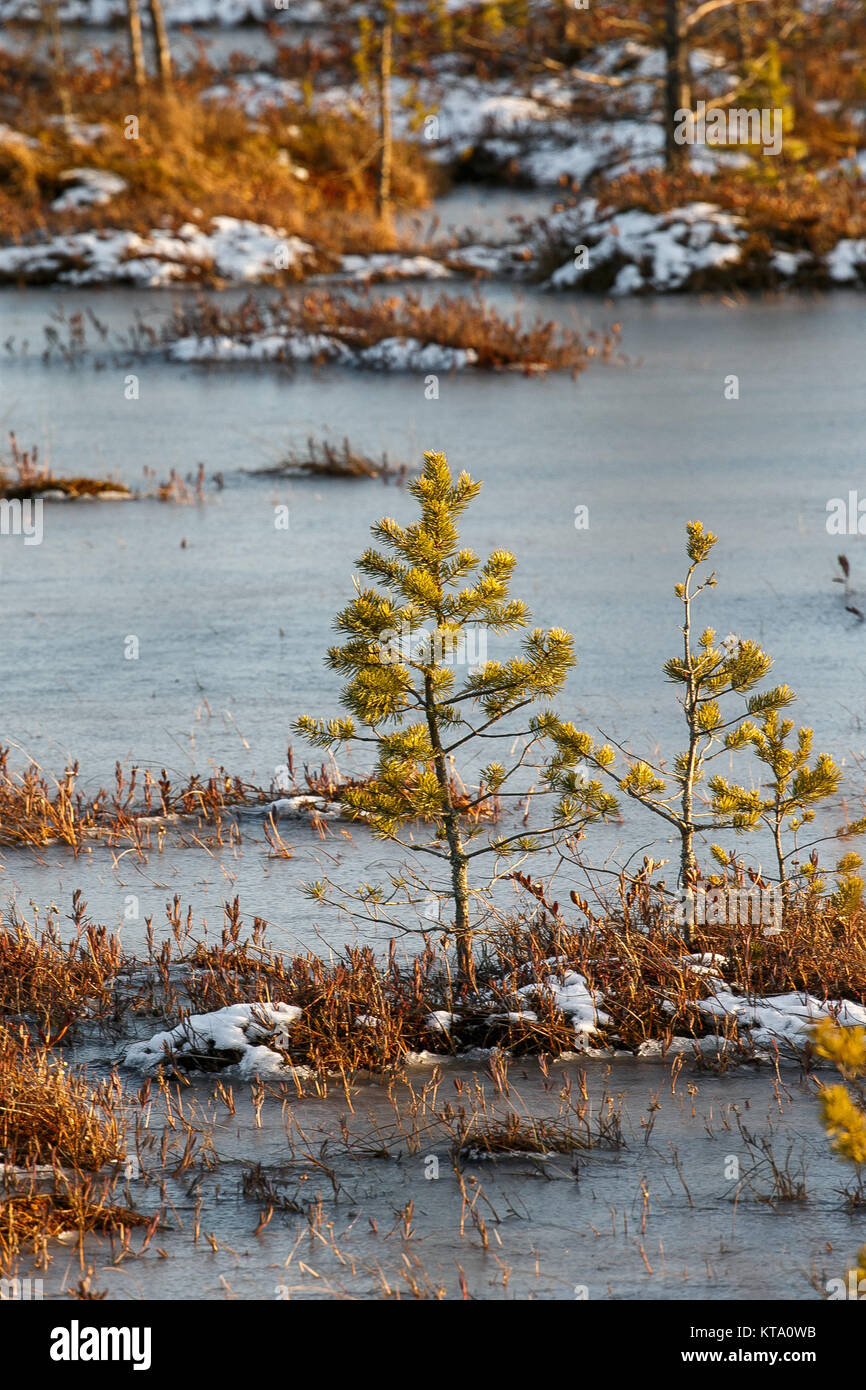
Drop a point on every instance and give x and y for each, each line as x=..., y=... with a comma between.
x=713, y=679
x=794, y=790
x=403, y=642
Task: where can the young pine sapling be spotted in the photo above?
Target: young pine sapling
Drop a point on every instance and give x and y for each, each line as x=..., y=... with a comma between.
x=715, y=681
x=403, y=644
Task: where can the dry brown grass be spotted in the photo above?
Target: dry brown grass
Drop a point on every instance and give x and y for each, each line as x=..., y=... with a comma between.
x=50, y=1113
x=634, y=954
x=196, y=159
x=56, y=984
x=479, y=1131
x=322, y=459
x=22, y=475
x=37, y=810
x=31, y=1218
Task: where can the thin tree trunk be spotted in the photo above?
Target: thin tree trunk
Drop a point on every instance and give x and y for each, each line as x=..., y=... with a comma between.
x=677, y=94
x=688, y=863
x=136, y=45
x=456, y=852
x=780, y=857
x=163, y=48
x=383, y=201
x=58, y=57
x=744, y=38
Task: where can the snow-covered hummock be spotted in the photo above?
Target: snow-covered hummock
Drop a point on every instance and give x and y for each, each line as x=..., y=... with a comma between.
x=779, y=1018
x=846, y=263
x=661, y=251
x=572, y=997
x=390, y=354
x=440, y=1021
x=233, y=249
x=88, y=188
x=300, y=808
x=256, y=92
x=240, y=1031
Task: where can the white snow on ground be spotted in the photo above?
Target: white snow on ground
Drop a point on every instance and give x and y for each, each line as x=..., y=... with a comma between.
x=88, y=188
x=662, y=251
x=575, y=999
x=234, y=249
x=300, y=808
x=255, y=92
x=440, y=1021
x=532, y=130
x=247, y=1029
x=391, y=354
x=385, y=266
x=847, y=261
x=79, y=132
x=649, y=252
x=779, y=1018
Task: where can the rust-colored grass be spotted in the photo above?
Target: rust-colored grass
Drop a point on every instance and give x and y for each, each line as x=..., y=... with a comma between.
x=51, y=1113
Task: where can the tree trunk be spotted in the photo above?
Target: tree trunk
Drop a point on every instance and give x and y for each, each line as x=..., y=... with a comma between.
x=456, y=852
x=383, y=199
x=136, y=46
x=163, y=48
x=780, y=859
x=744, y=39
x=58, y=57
x=677, y=94
x=688, y=863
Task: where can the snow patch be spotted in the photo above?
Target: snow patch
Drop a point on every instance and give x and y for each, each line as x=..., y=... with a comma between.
x=240, y=1036
x=235, y=250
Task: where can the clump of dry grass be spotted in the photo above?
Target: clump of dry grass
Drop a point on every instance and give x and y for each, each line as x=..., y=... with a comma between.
x=36, y=810
x=23, y=476
x=29, y=1219
x=322, y=459
x=50, y=1113
x=479, y=1133
x=634, y=954
x=56, y=984
x=360, y=321
x=364, y=1014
